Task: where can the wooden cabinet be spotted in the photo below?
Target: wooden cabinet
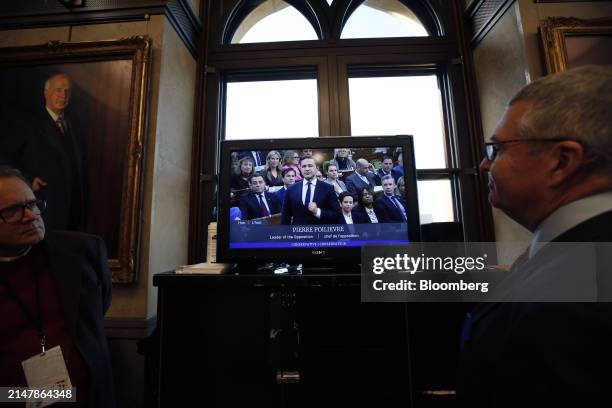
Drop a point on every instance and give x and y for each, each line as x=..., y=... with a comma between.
x=299, y=341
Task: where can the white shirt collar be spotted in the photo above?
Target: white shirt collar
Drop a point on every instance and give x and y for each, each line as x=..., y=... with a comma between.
x=313, y=182
x=15, y=257
x=348, y=218
x=565, y=218
x=53, y=115
x=364, y=178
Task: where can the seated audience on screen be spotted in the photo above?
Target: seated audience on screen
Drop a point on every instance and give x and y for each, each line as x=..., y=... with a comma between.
x=332, y=179
x=310, y=201
x=242, y=174
x=256, y=156
x=401, y=187
x=390, y=207
x=272, y=171
x=399, y=168
x=291, y=160
x=386, y=169
x=235, y=214
x=55, y=287
x=288, y=179
x=306, y=153
x=320, y=176
x=258, y=203
x=362, y=177
x=349, y=214
x=365, y=206
x=342, y=161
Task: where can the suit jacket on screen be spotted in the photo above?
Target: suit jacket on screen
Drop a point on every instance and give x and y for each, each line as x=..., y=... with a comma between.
x=354, y=183
x=249, y=205
x=386, y=211
x=294, y=211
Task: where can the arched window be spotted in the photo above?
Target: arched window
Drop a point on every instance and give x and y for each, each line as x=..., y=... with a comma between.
x=346, y=74
x=273, y=20
x=383, y=19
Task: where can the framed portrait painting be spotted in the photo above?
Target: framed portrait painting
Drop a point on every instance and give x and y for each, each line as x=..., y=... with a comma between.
x=571, y=42
x=74, y=118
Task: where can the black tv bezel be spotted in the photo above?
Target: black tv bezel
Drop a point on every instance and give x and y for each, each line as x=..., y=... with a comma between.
x=318, y=256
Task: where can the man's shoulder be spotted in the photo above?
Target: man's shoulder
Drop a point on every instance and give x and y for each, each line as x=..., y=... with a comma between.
x=246, y=197
x=596, y=229
x=272, y=196
x=70, y=236
x=381, y=200
x=295, y=186
x=71, y=240
x=325, y=186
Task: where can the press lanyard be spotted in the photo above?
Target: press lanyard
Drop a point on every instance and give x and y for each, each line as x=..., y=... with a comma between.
x=38, y=321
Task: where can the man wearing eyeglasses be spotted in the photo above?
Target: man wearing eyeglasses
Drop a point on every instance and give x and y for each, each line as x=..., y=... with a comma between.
x=549, y=165
x=54, y=290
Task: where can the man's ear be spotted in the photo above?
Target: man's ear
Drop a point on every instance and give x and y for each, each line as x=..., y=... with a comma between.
x=567, y=157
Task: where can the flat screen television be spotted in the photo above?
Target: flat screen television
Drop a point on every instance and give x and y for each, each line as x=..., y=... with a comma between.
x=264, y=217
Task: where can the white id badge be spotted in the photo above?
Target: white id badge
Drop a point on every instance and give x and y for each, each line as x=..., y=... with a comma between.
x=46, y=370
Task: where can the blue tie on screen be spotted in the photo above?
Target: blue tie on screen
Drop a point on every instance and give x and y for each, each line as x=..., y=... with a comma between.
x=262, y=207
x=308, y=197
x=400, y=208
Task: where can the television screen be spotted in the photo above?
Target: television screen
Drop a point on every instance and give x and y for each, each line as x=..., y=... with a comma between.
x=319, y=198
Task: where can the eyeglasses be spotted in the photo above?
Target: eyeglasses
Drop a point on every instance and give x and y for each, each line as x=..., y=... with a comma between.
x=16, y=213
x=492, y=149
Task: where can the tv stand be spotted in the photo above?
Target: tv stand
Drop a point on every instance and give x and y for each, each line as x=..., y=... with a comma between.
x=283, y=268
x=295, y=341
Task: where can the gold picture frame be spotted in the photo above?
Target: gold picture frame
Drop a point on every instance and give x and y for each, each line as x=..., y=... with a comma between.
x=571, y=42
x=109, y=96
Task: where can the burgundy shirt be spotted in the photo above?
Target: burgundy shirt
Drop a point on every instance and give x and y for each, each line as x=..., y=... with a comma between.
x=18, y=336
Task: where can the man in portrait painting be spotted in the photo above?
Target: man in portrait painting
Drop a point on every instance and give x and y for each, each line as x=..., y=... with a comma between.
x=49, y=148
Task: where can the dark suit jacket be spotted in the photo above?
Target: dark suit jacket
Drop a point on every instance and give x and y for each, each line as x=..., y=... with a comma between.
x=280, y=194
x=37, y=148
x=249, y=205
x=354, y=183
x=386, y=211
x=294, y=211
x=363, y=217
x=379, y=175
x=542, y=354
x=83, y=282
x=356, y=215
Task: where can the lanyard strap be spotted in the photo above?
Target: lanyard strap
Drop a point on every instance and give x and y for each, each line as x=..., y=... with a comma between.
x=37, y=322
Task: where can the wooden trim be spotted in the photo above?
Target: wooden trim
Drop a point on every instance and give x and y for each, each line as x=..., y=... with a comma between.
x=486, y=230
x=482, y=15
x=137, y=49
x=180, y=14
x=129, y=328
x=554, y=30
x=200, y=201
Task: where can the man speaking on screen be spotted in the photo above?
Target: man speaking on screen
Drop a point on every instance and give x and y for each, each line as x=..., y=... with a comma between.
x=310, y=201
